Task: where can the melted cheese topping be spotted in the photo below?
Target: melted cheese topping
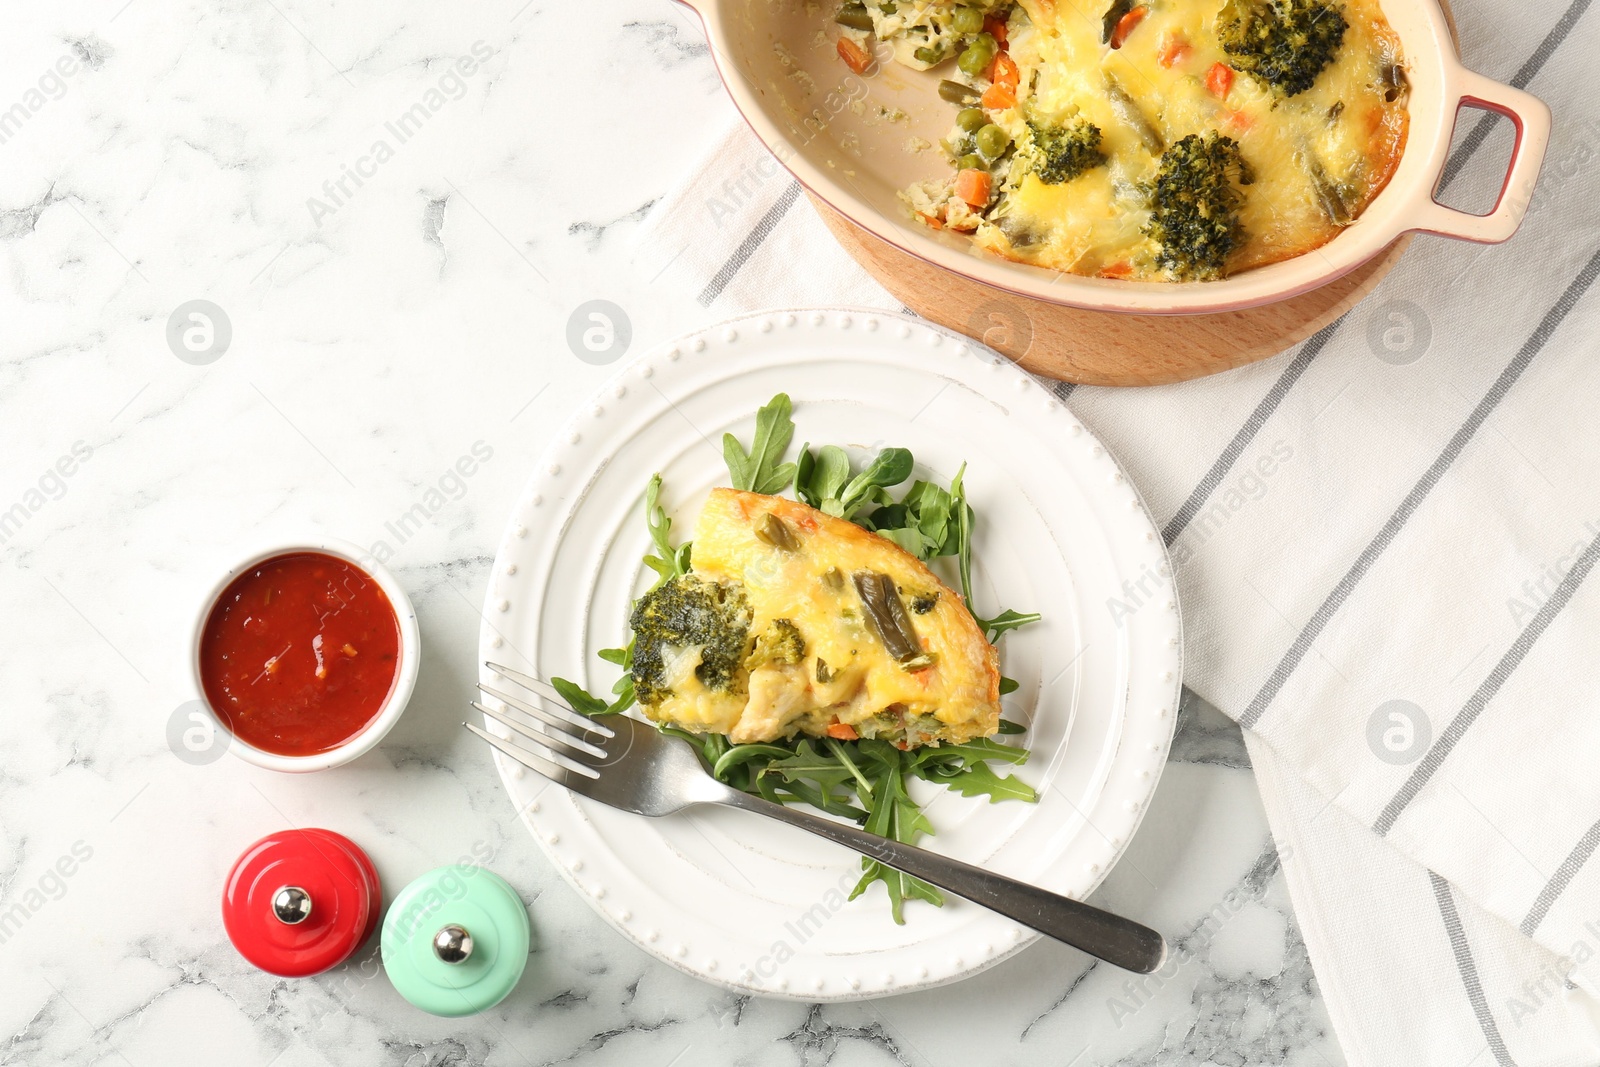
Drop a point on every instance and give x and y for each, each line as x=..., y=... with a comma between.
x=1351, y=123
x=845, y=675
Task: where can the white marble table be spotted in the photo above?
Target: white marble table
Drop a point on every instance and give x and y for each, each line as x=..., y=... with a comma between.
x=152, y=155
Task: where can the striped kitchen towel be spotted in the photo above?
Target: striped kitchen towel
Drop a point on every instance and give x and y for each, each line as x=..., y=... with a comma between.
x=1384, y=540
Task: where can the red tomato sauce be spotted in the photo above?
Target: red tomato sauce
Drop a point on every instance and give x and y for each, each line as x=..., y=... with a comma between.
x=299, y=653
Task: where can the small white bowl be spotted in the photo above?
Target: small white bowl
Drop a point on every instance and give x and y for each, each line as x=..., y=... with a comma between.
x=405, y=677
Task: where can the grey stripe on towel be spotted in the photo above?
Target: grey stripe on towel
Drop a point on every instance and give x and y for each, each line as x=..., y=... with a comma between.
x=748, y=246
x=1558, y=882
x=1247, y=432
x=1485, y=692
x=1469, y=971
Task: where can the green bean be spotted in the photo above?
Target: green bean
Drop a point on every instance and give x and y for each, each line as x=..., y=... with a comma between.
x=971, y=119
x=956, y=93
x=775, y=532
x=992, y=141
x=1129, y=112
x=966, y=20
x=929, y=56
x=1329, y=197
x=887, y=614
x=855, y=16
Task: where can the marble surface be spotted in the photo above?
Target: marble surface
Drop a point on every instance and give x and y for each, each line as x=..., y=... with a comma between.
x=379, y=330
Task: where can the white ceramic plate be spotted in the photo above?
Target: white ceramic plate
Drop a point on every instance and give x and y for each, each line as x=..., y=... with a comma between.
x=760, y=907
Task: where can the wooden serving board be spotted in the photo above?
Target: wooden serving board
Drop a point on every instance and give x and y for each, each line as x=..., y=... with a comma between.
x=1098, y=347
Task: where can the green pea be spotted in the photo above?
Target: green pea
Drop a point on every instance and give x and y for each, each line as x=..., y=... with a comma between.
x=979, y=54
x=966, y=20
x=992, y=141
x=971, y=162
x=971, y=119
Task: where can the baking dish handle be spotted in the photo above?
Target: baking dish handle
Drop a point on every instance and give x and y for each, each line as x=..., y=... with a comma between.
x=1531, y=118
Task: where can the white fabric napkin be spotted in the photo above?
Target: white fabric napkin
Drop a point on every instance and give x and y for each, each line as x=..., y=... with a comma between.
x=1382, y=540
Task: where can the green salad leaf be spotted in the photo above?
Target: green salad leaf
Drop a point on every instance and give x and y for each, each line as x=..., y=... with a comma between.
x=759, y=470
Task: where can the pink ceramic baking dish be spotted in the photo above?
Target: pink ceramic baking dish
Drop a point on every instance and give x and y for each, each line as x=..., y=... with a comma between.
x=831, y=129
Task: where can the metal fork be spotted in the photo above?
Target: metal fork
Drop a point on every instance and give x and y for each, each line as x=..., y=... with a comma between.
x=631, y=765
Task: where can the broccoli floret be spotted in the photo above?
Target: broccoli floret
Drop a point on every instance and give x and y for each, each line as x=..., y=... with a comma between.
x=688, y=612
x=1195, y=205
x=779, y=643
x=1285, y=43
x=1061, y=153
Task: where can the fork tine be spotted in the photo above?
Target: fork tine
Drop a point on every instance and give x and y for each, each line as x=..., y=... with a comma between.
x=532, y=760
x=535, y=744
x=559, y=724
x=551, y=737
x=548, y=694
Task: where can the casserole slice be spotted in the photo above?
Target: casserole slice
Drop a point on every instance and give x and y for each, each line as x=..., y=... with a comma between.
x=793, y=622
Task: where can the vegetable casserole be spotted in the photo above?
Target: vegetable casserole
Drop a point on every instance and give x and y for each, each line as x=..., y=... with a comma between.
x=1169, y=140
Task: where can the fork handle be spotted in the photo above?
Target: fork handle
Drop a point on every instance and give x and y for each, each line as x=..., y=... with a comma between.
x=1109, y=937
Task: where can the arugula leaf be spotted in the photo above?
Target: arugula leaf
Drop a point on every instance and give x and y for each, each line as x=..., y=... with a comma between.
x=1006, y=620
x=963, y=534
x=807, y=764
x=980, y=780
x=1008, y=685
x=669, y=562
x=759, y=471
x=896, y=816
x=1009, y=727
x=583, y=702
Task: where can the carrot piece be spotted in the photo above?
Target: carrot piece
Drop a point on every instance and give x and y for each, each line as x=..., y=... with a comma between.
x=1126, y=24
x=932, y=221
x=1219, y=79
x=855, y=57
x=1003, y=71
x=996, y=28
x=1173, y=50
x=973, y=186
x=1120, y=269
x=843, y=731
x=1237, y=119
x=998, y=97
